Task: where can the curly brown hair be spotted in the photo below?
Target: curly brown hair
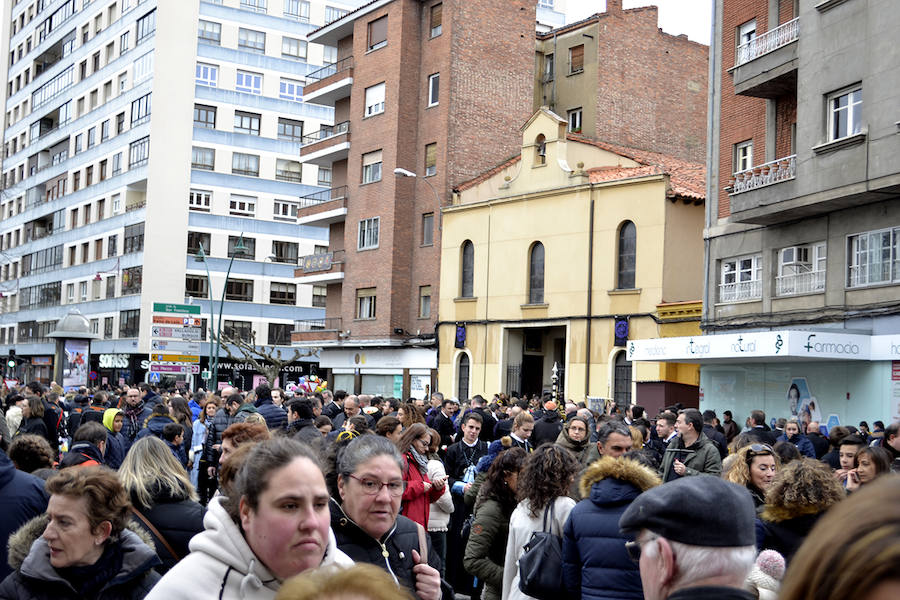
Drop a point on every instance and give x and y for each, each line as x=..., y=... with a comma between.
x=804, y=486
x=547, y=474
x=495, y=487
x=411, y=414
x=31, y=452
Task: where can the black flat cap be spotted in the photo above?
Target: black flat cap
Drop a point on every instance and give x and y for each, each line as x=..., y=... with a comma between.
x=700, y=511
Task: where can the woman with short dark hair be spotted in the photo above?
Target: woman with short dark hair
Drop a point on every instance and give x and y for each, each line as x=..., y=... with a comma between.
x=81, y=547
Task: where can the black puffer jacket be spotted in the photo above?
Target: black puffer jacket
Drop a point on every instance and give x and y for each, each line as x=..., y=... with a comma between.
x=214, y=430
x=36, y=579
x=177, y=520
x=399, y=543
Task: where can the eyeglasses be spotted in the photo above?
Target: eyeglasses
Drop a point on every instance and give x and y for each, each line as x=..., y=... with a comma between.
x=371, y=487
x=634, y=548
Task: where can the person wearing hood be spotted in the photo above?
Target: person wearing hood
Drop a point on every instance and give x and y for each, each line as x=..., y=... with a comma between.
x=154, y=424
x=88, y=447
x=161, y=495
x=792, y=434
x=81, y=549
x=271, y=524
x=113, y=420
x=691, y=452
x=574, y=438
x=595, y=563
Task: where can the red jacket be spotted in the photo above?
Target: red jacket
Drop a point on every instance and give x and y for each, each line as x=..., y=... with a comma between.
x=416, y=502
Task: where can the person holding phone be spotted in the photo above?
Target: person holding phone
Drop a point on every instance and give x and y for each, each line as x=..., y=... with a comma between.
x=420, y=491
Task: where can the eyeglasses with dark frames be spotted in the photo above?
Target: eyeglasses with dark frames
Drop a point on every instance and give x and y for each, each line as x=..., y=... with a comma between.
x=371, y=487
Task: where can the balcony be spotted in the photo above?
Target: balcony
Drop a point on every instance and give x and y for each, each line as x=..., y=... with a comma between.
x=330, y=83
x=811, y=282
x=754, y=195
x=740, y=291
x=766, y=66
x=329, y=144
x=321, y=269
x=323, y=208
x=316, y=330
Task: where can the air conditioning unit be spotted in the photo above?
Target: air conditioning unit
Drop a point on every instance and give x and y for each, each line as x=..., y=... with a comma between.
x=795, y=255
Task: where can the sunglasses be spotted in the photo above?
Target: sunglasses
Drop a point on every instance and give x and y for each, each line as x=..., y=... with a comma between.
x=761, y=449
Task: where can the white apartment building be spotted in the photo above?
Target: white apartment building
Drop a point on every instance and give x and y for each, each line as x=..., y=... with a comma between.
x=137, y=132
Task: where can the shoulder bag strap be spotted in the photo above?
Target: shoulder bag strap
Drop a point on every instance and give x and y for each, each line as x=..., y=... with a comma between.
x=156, y=532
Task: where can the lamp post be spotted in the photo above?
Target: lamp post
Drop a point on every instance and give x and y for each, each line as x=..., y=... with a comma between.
x=215, y=341
x=405, y=173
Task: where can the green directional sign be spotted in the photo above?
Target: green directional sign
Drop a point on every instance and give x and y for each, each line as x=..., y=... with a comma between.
x=178, y=309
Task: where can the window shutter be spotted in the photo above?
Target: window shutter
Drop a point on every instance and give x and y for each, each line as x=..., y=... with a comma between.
x=577, y=57
x=436, y=15
x=377, y=32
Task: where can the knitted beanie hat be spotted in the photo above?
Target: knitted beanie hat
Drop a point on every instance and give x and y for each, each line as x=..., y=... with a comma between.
x=768, y=570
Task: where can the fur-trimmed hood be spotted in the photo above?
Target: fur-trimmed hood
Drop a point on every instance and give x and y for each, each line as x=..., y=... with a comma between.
x=21, y=541
x=623, y=469
x=779, y=514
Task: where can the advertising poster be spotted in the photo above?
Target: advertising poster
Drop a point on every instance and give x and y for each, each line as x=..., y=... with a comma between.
x=75, y=367
x=801, y=403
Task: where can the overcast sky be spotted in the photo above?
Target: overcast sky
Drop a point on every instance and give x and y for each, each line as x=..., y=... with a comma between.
x=692, y=17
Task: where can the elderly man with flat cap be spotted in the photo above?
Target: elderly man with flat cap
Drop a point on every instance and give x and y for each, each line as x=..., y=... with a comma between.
x=694, y=539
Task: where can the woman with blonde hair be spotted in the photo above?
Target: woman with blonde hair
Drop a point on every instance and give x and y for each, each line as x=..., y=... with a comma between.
x=854, y=550
x=754, y=467
x=359, y=582
x=163, y=500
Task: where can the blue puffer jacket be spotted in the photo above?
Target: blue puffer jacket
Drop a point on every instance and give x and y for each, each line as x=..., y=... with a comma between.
x=595, y=564
x=275, y=417
x=802, y=442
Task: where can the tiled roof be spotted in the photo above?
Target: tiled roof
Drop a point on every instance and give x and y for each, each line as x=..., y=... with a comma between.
x=488, y=174
x=687, y=179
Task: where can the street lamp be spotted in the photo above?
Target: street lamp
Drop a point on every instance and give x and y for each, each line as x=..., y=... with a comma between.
x=405, y=173
x=215, y=342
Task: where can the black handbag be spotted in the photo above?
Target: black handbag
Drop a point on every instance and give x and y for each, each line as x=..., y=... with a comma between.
x=540, y=566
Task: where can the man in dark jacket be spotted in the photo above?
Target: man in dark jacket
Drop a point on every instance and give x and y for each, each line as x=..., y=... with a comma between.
x=595, y=563
x=223, y=418
x=150, y=397
x=333, y=404
x=758, y=429
x=815, y=437
x=22, y=497
x=488, y=421
x=730, y=427
x=88, y=447
x=135, y=415
x=713, y=434
x=275, y=416
x=443, y=421
x=691, y=452
x=547, y=428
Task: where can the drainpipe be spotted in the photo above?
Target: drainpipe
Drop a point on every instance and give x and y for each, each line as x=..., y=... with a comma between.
x=590, y=296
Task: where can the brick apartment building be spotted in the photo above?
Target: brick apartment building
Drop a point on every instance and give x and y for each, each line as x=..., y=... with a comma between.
x=618, y=77
x=803, y=212
x=437, y=89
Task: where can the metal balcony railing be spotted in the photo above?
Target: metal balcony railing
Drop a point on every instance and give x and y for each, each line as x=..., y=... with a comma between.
x=740, y=290
x=775, y=171
x=768, y=41
x=327, y=324
x=345, y=64
x=800, y=283
x=325, y=132
x=336, y=193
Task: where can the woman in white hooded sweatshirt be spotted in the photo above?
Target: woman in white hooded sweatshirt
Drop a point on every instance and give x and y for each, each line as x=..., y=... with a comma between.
x=274, y=525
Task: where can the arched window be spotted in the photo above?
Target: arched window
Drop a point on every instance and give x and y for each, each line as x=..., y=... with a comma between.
x=622, y=381
x=627, y=251
x=466, y=288
x=540, y=150
x=462, y=377
x=536, y=274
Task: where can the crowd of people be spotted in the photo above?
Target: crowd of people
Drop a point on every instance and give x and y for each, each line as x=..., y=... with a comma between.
x=146, y=493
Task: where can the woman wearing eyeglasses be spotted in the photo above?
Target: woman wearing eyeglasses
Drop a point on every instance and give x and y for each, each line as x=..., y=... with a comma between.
x=367, y=522
x=420, y=490
x=754, y=468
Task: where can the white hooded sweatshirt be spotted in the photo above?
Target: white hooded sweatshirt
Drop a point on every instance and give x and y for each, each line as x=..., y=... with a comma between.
x=221, y=565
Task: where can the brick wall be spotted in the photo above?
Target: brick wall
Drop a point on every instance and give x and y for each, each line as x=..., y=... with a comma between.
x=651, y=86
x=785, y=117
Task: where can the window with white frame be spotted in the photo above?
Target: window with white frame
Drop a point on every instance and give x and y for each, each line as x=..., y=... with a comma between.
x=437, y=19
x=248, y=82
x=324, y=176
x=333, y=13
x=371, y=167
x=242, y=206
x=873, y=258
x=285, y=210
x=574, y=118
x=200, y=200
x=329, y=55
x=741, y=279
x=209, y=32
x=434, y=89
x=123, y=43
x=746, y=32
x=251, y=40
x=801, y=269
x=203, y=158
x=146, y=25
x=143, y=68
x=368, y=234
x=288, y=170
x=289, y=89
x=245, y=164
x=743, y=156
x=254, y=5
x=374, y=100
x=424, y=301
x=293, y=48
x=297, y=9
x=844, y=113
x=365, y=303
x=207, y=75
